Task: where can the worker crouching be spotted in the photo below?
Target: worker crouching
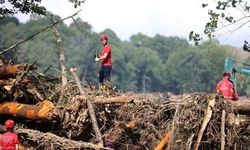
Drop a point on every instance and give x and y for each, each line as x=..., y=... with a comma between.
x=226, y=87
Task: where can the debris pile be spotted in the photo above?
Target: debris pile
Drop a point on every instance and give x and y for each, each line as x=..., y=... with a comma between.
x=78, y=116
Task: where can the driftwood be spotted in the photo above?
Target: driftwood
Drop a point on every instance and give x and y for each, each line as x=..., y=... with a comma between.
x=59, y=142
x=90, y=107
x=43, y=111
x=207, y=118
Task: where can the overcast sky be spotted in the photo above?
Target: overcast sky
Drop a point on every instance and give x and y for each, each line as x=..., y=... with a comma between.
x=150, y=17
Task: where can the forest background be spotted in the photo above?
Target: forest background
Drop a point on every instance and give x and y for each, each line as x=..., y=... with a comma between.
x=140, y=64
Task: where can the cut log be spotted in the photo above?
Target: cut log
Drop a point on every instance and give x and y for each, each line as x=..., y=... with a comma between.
x=52, y=139
x=43, y=111
x=10, y=71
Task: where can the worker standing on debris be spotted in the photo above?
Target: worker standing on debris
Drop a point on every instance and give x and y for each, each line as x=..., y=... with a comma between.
x=106, y=62
x=226, y=87
x=9, y=140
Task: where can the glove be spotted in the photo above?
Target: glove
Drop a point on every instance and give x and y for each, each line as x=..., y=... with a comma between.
x=97, y=59
x=108, y=143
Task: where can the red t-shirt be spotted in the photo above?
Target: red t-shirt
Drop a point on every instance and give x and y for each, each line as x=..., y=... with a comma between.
x=8, y=141
x=107, y=61
x=225, y=87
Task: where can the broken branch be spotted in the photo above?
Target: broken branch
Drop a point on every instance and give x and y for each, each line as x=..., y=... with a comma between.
x=205, y=122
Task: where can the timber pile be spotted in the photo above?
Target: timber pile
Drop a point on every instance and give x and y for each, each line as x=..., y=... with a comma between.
x=77, y=116
x=207, y=121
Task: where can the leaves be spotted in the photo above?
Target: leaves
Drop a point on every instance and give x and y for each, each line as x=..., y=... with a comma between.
x=220, y=16
x=195, y=37
x=77, y=2
x=27, y=7
x=204, y=5
x=23, y=6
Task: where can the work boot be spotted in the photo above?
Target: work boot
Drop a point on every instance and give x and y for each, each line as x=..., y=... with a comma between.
x=101, y=86
x=108, y=87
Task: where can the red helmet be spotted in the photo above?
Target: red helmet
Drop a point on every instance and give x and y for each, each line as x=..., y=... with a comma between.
x=9, y=124
x=226, y=73
x=103, y=37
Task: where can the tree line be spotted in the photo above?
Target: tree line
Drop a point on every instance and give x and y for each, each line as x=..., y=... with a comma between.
x=141, y=64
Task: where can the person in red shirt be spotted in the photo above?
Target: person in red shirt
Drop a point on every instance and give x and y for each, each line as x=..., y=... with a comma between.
x=106, y=61
x=9, y=140
x=226, y=87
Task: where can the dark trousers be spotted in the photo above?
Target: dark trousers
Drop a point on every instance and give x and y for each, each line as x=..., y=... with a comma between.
x=104, y=74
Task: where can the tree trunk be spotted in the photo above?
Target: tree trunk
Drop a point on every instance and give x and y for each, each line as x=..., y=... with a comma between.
x=44, y=111
x=50, y=138
x=61, y=51
x=90, y=107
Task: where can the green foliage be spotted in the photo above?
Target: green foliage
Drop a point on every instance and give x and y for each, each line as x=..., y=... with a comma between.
x=23, y=6
x=77, y=2
x=7, y=20
x=10, y=7
x=142, y=64
x=195, y=37
x=220, y=17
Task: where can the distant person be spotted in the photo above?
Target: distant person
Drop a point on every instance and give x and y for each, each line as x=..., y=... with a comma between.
x=226, y=87
x=9, y=140
x=106, y=62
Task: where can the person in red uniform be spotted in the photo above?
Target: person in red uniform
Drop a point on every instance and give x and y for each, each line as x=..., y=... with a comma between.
x=226, y=87
x=106, y=61
x=9, y=140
